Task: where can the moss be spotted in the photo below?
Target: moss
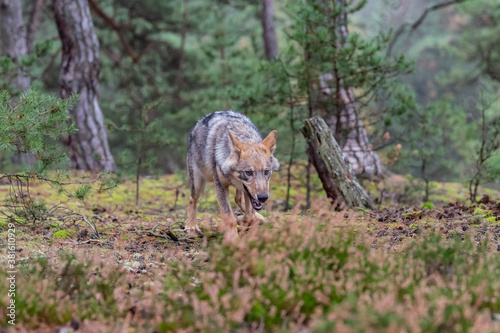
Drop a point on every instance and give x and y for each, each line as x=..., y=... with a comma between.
x=476, y=219
x=20, y=219
x=55, y=224
x=418, y=212
x=118, y=197
x=491, y=219
x=413, y=226
x=371, y=187
x=362, y=211
x=490, y=192
x=61, y=234
x=428, y=205
x=483, y=212
x=409, y=177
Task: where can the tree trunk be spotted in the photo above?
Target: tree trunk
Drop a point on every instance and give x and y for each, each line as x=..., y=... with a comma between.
x=352, y=136
x=334, y=170
x=426, y=180
x=33, y=24
x=180, y=73
x=345, y=122
x=79, y=72
x=13, y=45
x=13, y=39
x=268, y=31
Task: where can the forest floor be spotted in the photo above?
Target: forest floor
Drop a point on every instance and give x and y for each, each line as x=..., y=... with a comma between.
x=408, y=266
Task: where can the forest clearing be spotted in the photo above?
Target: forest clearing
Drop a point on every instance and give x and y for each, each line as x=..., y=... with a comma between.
x=249, y=166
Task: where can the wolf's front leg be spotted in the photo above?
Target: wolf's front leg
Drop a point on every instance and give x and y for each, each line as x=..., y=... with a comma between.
x=248, y=217
x=227, y=225
x=251, y=216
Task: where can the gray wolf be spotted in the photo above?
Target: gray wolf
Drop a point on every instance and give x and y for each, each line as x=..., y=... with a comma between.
x=227, y=149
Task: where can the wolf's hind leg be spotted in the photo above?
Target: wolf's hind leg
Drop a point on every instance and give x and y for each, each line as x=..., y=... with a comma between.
x=197, y=183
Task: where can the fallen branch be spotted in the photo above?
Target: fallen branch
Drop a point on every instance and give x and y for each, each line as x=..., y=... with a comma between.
x=92, y=225
x=170, y=235
x=152, y=232
x=74, y=242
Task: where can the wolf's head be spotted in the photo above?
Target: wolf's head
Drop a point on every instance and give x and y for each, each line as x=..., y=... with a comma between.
x=251, y=165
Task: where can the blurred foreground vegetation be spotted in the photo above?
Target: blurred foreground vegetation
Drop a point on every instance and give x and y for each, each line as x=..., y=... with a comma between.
x=410, y=269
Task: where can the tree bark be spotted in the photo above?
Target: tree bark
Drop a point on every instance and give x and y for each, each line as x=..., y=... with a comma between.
x=268, y=31
x=334, y=170
x=13, y=39
x=33, y=24
x=79, y=74
x=180, y=73
x=353, y=137
x=345, y=122
x=13, y=45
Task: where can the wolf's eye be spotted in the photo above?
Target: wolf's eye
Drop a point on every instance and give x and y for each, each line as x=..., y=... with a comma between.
x=266, y=172
x=249, y=173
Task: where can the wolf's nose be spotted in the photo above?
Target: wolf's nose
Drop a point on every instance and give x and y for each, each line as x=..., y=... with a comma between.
x=262, y=197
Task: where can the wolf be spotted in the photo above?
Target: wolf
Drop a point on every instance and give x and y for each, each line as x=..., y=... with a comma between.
x=226, y=148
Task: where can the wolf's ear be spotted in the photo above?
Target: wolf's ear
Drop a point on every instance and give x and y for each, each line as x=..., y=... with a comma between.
x=237, y=145
x=270, y=141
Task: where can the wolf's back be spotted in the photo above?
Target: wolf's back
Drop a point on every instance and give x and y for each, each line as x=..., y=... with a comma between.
x=209, y=140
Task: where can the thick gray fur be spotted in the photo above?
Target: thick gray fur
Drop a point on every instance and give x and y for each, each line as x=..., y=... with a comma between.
x=209, y=146
x=227, y=149
x=209, y=143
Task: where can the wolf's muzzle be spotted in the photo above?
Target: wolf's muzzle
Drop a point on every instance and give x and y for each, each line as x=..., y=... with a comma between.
x=257, y=204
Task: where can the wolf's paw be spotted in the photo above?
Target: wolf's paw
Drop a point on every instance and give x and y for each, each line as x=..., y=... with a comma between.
x=259, y=218
x=194, y=232
x=244, y=220
x=231, y=236
x=248, y=220
x=241, y=220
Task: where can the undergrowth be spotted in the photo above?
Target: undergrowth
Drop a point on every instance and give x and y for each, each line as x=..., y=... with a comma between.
x=321, y=273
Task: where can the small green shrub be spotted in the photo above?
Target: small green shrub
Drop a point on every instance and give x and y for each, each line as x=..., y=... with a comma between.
x=33, y=126
x=428, y=205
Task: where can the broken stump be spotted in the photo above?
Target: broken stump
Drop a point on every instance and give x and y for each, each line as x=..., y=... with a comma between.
x=334, y=170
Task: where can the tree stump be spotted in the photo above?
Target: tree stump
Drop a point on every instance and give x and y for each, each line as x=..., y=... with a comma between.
x=334, y=170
